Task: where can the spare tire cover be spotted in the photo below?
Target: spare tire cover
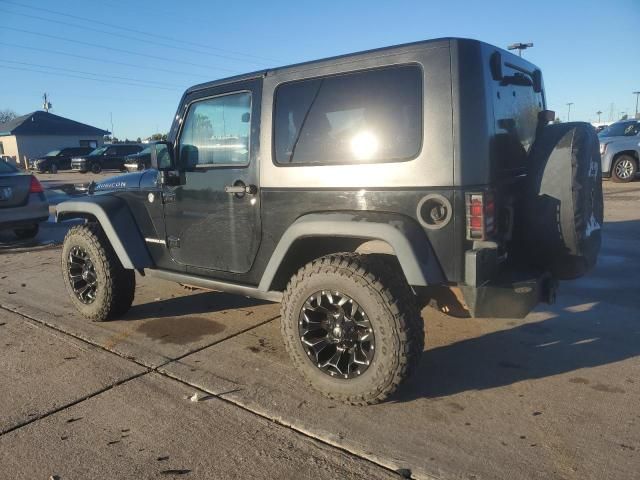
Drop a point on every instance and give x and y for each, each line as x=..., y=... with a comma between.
x=564, y=208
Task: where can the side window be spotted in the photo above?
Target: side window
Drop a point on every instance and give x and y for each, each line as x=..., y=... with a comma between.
x=216, y=132
x=111, y=151
x=362, y=117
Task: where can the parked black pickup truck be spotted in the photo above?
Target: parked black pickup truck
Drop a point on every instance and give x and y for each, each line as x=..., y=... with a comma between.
x=353, y=190
x=105, y=157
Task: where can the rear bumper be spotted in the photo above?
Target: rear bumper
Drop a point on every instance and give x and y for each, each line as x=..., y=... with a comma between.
x=502, y=290
x=36, y=210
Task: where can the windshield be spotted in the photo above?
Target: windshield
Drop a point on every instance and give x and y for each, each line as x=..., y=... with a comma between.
x=6, y=167
x=98, y=151
x=621, y=129
x=52, y=153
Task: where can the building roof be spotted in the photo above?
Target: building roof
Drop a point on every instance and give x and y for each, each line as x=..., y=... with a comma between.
x=45, y=123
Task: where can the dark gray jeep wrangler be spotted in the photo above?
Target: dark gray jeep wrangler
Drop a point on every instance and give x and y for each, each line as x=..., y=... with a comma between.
x=353, y=190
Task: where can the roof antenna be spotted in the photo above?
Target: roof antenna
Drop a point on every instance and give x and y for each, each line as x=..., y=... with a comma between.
x=46, y=104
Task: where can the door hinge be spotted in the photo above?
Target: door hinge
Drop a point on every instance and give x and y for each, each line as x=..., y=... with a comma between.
x=168, y=197
x=173, y=242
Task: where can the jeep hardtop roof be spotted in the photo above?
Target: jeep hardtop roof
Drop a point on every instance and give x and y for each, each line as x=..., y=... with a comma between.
x=392, y=50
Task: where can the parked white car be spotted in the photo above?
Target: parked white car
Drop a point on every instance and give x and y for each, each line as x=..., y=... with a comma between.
x=620, y=150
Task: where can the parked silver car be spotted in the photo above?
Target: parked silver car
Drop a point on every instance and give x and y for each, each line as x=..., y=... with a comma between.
x=620, y=150
x=23, y=204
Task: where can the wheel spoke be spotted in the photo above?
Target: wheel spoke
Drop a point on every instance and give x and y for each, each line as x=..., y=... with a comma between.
x=336, y=334
x=82, y=275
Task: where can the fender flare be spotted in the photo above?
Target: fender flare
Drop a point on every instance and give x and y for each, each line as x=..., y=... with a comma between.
x=409, y=242
x=118, y=224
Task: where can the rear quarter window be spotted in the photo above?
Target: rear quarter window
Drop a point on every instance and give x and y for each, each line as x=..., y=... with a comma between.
x=361, y=117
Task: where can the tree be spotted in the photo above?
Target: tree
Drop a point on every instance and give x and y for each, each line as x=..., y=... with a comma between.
x=7, y=115
x=158, y=136
x=139, y=140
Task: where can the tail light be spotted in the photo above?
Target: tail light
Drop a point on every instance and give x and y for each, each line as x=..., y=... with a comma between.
x=36, y=186
x=481, y=216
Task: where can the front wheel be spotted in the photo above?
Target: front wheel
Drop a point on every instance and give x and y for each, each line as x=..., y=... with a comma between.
x=99, y=286
x=352, y=327
x=624, y=169
x=54, y=168
x=96, y=167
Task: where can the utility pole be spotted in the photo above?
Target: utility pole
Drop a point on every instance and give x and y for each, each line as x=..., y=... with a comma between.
x=598, y=113
x=520, y=47
x=46, y=105
x=569, y=111
x=637, y=94
x=111, y=118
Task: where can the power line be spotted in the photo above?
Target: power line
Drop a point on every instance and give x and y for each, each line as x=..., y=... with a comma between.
x=94, y=74
x=87, y=78
x=101, y=60
x=114, y=49
x=129, y=37
x=164, y=37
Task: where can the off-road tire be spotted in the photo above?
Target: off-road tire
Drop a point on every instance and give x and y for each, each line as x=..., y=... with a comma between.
x=564, y=205
x=26, y=233
x=380, y=288
x=95, y=167
x=115, y=284
x=628, y=160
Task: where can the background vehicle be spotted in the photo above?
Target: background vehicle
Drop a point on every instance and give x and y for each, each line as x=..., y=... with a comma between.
x=23, y=204
x=351, y=190
x=57, y=159
x=105, y=157
x=620, y=150
x=138, y=161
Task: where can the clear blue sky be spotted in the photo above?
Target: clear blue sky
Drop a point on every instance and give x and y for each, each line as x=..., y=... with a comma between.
x=588, y=50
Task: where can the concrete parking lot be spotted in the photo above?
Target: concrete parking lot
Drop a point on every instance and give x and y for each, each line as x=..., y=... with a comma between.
x=555, y=395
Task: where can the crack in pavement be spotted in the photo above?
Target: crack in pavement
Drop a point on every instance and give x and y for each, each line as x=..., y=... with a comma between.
x=220, y=396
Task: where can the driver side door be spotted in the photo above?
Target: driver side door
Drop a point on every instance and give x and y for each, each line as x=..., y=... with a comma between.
x=213, y=217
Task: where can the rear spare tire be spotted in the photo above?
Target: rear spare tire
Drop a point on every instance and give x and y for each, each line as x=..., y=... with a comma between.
x=564, y=207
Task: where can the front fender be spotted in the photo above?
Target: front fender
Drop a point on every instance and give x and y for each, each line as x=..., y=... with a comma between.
x=118, y=224
x=409, y=242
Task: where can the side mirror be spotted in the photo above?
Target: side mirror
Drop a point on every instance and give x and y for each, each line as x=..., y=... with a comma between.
x=162, y=156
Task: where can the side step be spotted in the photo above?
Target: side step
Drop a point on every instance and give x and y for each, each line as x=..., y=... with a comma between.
x=208, y=284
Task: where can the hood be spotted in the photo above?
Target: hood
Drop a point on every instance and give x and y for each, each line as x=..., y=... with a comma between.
x=128, y=181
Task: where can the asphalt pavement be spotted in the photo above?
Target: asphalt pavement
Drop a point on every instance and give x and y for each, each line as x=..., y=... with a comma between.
x=555, y=395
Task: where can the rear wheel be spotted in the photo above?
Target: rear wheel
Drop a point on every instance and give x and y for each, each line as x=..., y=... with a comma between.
x=96, y=167
x=352, y=327
x=25, y=233
x=99, y=286
x=624, y=169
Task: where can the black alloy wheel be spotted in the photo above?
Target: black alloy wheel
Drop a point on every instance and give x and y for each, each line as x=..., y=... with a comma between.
x=336, y=334
x=82, y=275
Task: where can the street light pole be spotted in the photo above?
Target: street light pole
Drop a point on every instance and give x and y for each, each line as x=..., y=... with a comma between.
x=598, y=113
x=569, y=111
x=520, y=47
x=637, y=94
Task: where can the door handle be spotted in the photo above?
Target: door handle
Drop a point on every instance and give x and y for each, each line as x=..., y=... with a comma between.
x=239, y=188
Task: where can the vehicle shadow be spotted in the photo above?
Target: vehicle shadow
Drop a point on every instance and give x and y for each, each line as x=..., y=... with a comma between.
x=596, y=323
x=196, y=304
x=567, y=342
